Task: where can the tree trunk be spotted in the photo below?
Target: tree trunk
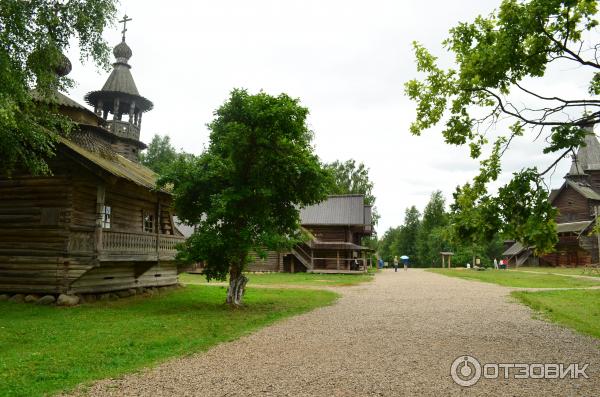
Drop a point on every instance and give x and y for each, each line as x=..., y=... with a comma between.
x=237, y=286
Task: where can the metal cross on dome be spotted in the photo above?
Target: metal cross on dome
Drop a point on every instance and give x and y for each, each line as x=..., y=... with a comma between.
x=124, y=22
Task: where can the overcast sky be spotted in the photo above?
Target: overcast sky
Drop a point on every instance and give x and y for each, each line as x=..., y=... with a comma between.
x=346, y=60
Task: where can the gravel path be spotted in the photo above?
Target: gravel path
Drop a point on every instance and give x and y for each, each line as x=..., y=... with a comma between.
x=393, y=337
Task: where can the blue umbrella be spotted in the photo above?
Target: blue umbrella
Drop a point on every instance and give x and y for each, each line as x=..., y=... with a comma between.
x=404, y=257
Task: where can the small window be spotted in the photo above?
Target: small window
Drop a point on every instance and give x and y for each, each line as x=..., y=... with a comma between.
x=106, y=210
x=148, y=222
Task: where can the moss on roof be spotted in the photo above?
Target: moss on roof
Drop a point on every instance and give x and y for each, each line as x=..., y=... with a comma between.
x=118, y=166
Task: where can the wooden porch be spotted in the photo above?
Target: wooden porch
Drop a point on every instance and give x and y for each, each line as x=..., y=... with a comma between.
x=340, y=258
x=128, y=246
x=110, y=245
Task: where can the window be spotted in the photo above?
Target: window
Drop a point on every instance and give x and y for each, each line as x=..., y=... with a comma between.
x=106, y=216
x=148, y=222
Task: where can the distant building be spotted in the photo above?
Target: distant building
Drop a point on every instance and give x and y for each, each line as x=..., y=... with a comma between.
x=336, y=228
x=578, y=202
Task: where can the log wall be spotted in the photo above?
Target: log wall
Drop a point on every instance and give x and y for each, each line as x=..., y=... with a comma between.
x=48, y=226
x=270, y=264
x=115, y=276
x=329, y=233
x=572, y=206
x=35, y=214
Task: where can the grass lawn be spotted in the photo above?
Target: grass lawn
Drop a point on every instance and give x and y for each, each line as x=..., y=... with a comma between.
x=572, y=271
x=575, y=309
x=511, y=278
x=302, y=279
x=44, y=350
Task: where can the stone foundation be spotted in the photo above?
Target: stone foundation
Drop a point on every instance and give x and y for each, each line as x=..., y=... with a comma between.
x=73, y=300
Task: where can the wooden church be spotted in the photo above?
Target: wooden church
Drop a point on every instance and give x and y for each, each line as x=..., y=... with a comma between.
x=578, y=203
x=98, y=223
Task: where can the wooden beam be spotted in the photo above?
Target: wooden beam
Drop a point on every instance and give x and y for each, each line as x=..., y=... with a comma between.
x=157, y=223
x=338, y=259
x=364, y=258
x=100, y=195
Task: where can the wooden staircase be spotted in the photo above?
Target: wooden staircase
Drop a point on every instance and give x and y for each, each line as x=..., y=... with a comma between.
x=303, y=257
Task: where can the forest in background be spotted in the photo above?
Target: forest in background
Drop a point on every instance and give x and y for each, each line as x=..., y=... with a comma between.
x=423, y=235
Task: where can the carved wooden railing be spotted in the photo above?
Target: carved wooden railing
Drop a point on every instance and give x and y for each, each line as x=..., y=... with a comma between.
x=139, y=243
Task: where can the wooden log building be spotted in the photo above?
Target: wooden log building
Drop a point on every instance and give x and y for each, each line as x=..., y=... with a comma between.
x=578, y=203
x=98, y=223
x=336, y=226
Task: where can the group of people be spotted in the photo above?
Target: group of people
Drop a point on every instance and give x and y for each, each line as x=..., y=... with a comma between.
x=396, y=262
x=503, y=264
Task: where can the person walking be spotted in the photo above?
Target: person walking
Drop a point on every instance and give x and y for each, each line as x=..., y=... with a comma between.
x=405, y=262
x=396, y=263
x=495, y=263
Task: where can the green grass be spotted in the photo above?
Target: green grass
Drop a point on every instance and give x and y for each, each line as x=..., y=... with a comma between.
x=511, y=278
x=575, y=309
x=300, y=279
x=44, y=350
x=570, y=271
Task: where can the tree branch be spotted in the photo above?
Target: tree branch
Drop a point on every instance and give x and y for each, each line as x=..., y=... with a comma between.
x=564, y=48
x=556, y=162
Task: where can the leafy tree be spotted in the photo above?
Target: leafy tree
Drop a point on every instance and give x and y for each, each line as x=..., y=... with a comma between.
x=352, y=178
x=160, y=154
x=486, y=251
x=437, y=241
x=244, y=191
x=33, y=36
x=387, y=242
x=429, y=244
x=494, y=56
x=406, y=244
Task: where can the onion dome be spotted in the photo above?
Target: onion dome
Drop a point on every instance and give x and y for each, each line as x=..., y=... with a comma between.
x=122, y=52
x=64, y=66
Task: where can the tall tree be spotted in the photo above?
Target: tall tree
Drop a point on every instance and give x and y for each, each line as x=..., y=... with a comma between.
x=33, y=37
x=159, y=155
x=244, y=191
x=494, y=56
x=388, y=243
x=406, y=244
x=431, y=236
x=352, y=178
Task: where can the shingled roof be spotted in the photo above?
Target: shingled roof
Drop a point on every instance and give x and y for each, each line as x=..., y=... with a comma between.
x=60, y=99
x=588, y=155
x=580, y=187
x=514, y=249
x=572, y=227
x=117, y=165
x=585, y=190
x=338, y=210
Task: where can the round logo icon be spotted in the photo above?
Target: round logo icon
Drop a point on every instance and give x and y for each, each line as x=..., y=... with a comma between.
x=465, y=371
